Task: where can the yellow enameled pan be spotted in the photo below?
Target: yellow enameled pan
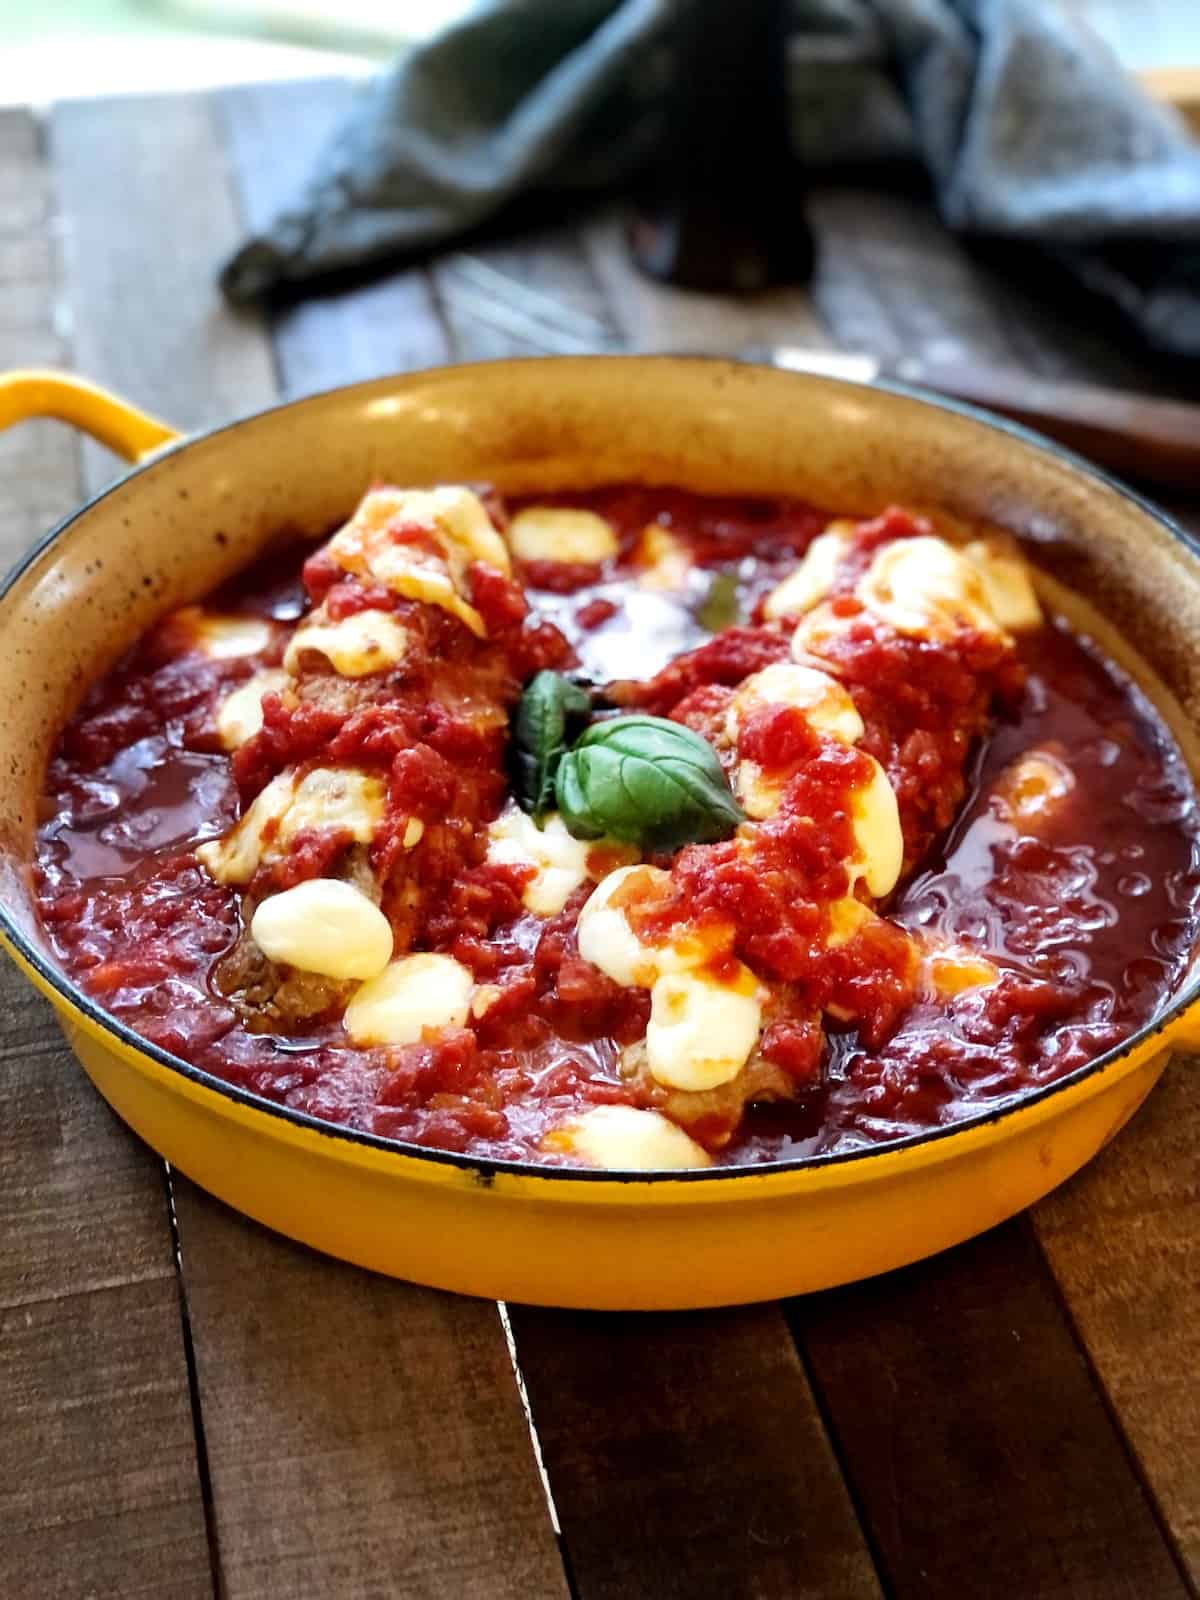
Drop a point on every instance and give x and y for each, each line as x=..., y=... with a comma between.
x=196, y=510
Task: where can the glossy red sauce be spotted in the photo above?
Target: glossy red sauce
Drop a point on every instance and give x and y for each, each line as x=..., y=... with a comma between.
x=1091, y=920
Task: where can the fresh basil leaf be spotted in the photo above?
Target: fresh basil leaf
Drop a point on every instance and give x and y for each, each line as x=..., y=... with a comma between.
x=549, y=705
x=720, y=607
x=645, y=781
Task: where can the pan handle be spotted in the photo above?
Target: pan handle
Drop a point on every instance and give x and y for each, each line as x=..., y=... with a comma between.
x=129, y=432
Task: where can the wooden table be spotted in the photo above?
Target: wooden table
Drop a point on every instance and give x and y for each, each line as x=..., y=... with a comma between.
x=192, y=1406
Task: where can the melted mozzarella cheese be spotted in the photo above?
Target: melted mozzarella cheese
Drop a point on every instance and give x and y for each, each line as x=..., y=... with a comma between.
x=605, y=937
x=362, y=643
x=875, y=817
x=1033, y=786
x=828, y=708
x=826, y=705
x=459, y=521
x=240, y=716
x=926, y=588
x=758, y=795
x=224, y=637
x=952, y=969
x=236, y=857
x=419, y=576
x=624, y=1139
x=560, y=861
x=1007, y=585
x=325, y=799
x=665, y=560
x=324, y=925
x=701, y=1029
x=416, y=994
x=816, y=631
x=608, y=942
x=812, y=580
x=330, y=799
x=847, y=917
x=453, y=518
x=561, y=533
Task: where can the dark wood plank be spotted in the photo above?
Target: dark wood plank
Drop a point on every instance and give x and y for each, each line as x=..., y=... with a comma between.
x=1123, y=1239
x=979, y=1448
x=98, y=1486
x=386, y=324
x=99, y=1492
x=363, y=1437
x=366, y=1436
x=686, y=1457
x=685, y=1453
x=881, y=254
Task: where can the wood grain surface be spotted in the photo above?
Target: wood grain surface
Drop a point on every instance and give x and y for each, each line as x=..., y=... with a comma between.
x=360, y=1434
x=1018, y=1417
x=975, y=1439
x=99, y=1492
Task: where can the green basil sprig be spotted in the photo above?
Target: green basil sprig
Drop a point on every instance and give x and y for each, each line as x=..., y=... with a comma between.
x=645, y=781
x=550, y=704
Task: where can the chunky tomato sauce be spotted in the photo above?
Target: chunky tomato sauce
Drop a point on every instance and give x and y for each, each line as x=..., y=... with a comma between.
x=1083, y=900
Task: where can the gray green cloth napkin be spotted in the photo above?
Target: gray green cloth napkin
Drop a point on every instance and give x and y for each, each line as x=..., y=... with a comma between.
x=1027, y=127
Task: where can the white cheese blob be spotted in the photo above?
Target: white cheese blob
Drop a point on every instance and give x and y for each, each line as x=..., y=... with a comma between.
x=560, y=861
x=336, y=798
x=561, y=533
x=608, y=942
x=666, y=561
x=1033, y=786
x=949, y=969
x=459, y=521
x=240, y=716
x=1007, y=585
x=236, y=857
x=925, y=588
x=758, y=795
x=875, y=817
x=828, y=708
x=224, y=637
x=826, y=704
x=324, y=925
x=605, y=937
x=816, y=631
x=453, y=518
x=362, y=643
x=624, y=1139
x=701, y=1029
x=415, y=994
x=847, y=918
x=325, y=799
x=812, y=580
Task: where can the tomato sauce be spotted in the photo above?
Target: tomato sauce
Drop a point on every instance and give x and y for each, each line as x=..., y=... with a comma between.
x=1089, y=915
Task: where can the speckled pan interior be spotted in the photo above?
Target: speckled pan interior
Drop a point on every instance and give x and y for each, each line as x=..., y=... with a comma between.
x=175, y=528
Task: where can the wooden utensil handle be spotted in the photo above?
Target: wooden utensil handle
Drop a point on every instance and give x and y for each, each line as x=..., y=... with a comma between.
x=1137, y=436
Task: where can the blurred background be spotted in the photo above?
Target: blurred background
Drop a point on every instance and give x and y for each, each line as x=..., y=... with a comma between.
x=68, y=48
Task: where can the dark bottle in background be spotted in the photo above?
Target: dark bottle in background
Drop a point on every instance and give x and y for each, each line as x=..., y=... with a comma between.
x=722, y=209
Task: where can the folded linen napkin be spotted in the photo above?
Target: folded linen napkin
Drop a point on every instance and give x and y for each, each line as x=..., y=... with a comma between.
x=1027, y=127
